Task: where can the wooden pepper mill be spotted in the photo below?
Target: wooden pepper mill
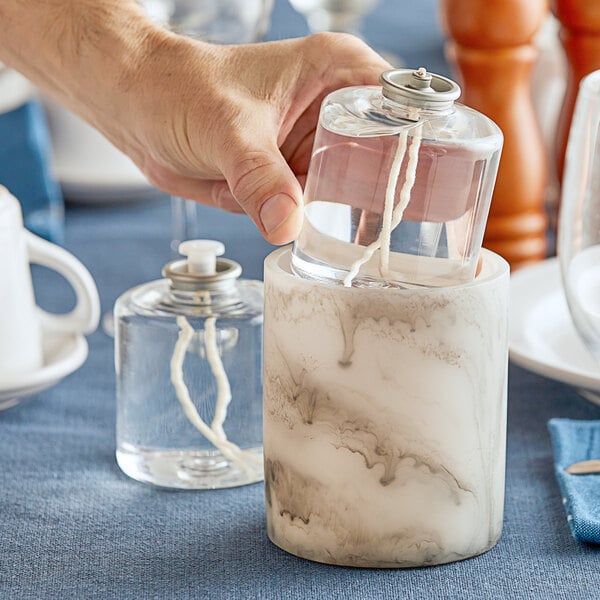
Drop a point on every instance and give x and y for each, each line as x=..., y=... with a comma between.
x=491, y=47
x=580, y=37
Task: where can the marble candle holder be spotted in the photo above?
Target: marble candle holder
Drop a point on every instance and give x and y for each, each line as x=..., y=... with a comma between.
x=385, y=418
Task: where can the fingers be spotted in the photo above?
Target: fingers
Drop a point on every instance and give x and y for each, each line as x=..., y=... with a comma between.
x=203, y=191
x=259, y=177
x=350, y=60
x=272, y=101
x=297, y=147
x=263, y=184
x=327, y=61
x=213, y=193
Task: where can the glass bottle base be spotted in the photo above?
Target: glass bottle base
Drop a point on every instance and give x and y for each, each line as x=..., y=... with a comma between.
x=189, y=470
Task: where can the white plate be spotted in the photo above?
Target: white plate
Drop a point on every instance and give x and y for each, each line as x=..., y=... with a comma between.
x=15, y=90
x=64, y=353
x=88, y=166
x=542, y=337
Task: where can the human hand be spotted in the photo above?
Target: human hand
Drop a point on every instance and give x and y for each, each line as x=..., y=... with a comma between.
x=228, y=126
x=233, y=126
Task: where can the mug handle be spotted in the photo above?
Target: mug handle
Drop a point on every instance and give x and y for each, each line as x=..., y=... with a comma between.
x=85, y=316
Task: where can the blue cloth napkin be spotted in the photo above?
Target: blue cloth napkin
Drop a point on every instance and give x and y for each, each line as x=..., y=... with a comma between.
x=574, y=441
x=25, y=169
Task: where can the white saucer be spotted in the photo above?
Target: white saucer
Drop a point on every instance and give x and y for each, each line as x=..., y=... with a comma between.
x=542, y=337
x=64, y=353
x=15, y=90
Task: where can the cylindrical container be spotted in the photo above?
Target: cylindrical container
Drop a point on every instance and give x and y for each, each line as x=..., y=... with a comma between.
x=188, y=352
x=399, y=185
x=384, y=417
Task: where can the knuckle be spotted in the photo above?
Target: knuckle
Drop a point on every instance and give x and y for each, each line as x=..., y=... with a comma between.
x=221, y=196
x=157, y=175
x=349, y=60
x=253, y=176
x=335, y=43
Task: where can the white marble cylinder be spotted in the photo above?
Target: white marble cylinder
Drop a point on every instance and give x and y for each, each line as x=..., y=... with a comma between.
x=385, y=418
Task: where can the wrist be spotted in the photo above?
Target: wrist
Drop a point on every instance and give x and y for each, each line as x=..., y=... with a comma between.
x=85, y=53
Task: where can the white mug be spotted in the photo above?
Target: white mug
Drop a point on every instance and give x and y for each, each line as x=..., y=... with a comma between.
x=21, y=321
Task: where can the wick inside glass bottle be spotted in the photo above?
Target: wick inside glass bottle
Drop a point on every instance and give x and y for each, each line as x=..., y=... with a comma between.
x=392, y=216
x=214, y=433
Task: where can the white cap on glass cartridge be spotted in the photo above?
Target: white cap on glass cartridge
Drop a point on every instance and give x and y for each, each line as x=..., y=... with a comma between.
x=202, y=255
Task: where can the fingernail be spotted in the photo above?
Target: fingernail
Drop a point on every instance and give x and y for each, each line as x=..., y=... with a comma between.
x=275, y=211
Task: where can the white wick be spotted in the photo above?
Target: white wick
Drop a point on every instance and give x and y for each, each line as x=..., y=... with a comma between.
x=214, y=434
x=388, y=210
x=216, y=366
x=391, y=219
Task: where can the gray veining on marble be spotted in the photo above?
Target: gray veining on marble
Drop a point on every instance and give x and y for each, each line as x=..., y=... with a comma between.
x=384, y=414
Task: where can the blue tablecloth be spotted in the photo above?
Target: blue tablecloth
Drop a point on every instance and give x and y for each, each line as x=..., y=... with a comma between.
x=73, y=526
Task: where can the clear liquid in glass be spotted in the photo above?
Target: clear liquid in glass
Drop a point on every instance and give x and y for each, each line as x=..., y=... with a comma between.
x=438, y=239
x=156, y=442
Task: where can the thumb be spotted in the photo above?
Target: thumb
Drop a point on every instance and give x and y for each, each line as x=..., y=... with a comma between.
x=266, y=188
